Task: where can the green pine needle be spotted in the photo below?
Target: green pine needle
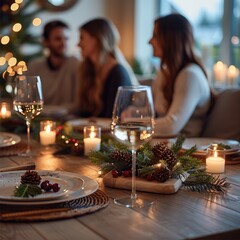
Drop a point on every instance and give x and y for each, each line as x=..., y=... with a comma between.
x=204, y=182
x=27, y=190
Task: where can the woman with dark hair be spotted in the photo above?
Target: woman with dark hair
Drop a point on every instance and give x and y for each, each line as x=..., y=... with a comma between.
x=103, y=68
x=181, y=90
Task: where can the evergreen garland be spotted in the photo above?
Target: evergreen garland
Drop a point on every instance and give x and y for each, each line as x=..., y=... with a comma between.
x=154, y=169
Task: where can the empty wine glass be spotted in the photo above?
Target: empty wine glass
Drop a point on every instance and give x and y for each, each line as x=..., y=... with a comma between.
x=28, y=100
x=132, y=125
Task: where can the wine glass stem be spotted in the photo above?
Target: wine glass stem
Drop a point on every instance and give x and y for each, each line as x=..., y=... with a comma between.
x=133, y=194
x=28, y=123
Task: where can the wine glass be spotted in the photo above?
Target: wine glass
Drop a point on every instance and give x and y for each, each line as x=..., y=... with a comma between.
x=28, y=100
x=133, y=124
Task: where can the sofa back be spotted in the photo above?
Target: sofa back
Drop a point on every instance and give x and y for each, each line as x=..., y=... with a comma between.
x=223, y=120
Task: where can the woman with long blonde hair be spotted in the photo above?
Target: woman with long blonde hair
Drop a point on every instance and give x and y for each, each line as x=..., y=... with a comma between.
x=103, y=68
x=181, y=90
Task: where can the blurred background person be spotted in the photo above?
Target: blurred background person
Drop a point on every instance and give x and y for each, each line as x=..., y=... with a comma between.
x=181, y=90
x=58, y=72
x=103, y=68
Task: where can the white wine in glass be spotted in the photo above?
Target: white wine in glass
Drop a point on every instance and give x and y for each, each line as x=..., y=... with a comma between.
x=133, y=125
x=28, y=100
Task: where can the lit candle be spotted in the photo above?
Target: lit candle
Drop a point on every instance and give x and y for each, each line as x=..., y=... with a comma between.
x=232, y=74
x=5, y=110
x=47, y=132
x=92, y=139
x=220, y=72
x=215, y=162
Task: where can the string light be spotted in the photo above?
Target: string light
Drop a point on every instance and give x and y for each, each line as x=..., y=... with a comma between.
x=14, y=7
x=18, y=1
x=17, y=27
x=8, y=55
x=2, y=61
x=36, y=22
x=5, y=40
x=12, y=61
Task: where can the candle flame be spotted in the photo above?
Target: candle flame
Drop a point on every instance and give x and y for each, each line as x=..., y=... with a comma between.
x=48, y=128
x=4, y=110
x=215, y=146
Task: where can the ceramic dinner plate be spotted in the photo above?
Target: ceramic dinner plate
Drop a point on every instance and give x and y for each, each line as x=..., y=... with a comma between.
x=79, y=124
x=73, y=186
x=203, y=143
x=8, y=139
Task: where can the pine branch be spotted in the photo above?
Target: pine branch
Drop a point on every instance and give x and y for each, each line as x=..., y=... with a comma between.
x=189, y=162
x=176, y=147
x=204, y=182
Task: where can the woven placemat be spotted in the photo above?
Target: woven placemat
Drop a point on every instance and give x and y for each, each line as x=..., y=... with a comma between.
x=74, y=208
x=13, y=150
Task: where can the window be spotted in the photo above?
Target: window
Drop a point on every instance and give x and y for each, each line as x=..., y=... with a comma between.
x=216, y=26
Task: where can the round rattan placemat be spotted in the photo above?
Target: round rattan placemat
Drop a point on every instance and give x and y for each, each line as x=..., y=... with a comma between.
x=74, y=208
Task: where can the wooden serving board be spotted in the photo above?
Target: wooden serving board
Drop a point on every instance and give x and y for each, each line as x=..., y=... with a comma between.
x=169, y=187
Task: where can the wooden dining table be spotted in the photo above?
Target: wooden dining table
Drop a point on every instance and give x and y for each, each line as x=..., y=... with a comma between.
x=182, y=215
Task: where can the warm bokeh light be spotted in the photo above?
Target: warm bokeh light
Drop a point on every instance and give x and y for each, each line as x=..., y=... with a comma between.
x=12, y=61
x=235, y=40
x=23, y=65
x=5, y=40
x=17, y=27
x=14, y=7
x=8, y=55
x=2, y=61
x=5, y=8
x=36, y=22
x=18, y=1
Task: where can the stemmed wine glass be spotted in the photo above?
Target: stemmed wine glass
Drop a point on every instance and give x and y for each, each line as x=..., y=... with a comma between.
x=132, y=125
x=28, y=100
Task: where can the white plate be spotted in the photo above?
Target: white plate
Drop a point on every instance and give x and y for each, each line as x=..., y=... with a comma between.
x=79, y=124
x=8, y=139
x=203, y=143
x=77, y=186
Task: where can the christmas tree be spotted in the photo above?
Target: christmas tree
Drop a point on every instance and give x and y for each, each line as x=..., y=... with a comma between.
x=17, y=19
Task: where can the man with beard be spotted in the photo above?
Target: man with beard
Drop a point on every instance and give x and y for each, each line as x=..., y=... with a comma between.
x=58, y=72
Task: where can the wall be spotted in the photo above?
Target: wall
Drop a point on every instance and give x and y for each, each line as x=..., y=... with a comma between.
x=74, y=17
x=133, y=18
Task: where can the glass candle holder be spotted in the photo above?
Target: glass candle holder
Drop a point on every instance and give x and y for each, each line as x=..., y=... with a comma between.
x=5, y=110
x=92, y=139
x=47, y=132
x=215, y=161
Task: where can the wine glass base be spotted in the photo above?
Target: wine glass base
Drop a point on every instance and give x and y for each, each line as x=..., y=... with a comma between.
x=133, y=203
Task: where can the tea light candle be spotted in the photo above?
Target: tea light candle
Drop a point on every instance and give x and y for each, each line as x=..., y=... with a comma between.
x=47, y=132
x=92, y=139
x=214, y=162
x=5, y=110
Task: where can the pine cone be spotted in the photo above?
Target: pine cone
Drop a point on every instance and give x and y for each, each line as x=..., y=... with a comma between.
x=162, y=152
x=159, y=150
x=30, y=177
x=170, y=158
x=161, y=174
x=117, y=155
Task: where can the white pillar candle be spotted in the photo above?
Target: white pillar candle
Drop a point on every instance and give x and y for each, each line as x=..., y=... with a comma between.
x=91, y=144
x=220, y=72
x=92, y=139
x=215, y=162
x=47, y=133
